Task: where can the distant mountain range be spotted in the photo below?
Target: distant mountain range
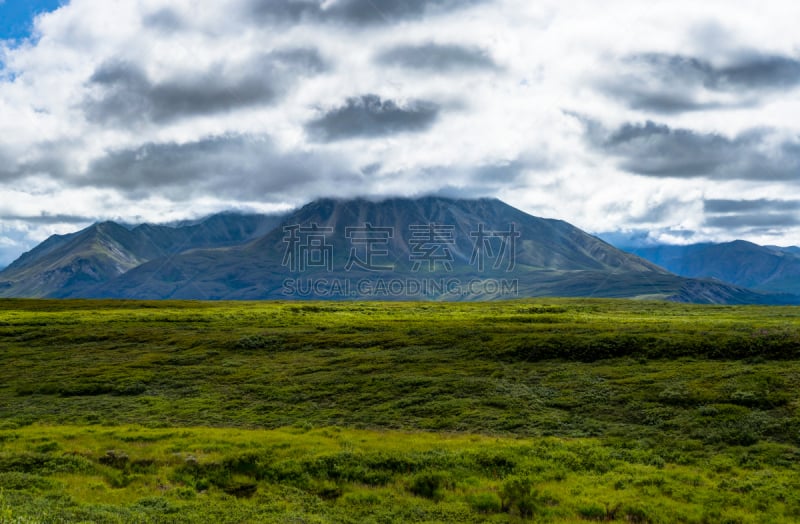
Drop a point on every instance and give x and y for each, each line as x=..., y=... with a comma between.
x=70, y=265
x=427, y=248
x=764, y=268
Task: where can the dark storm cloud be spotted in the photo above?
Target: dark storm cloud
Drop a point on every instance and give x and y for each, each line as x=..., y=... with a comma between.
x=757, y=72
x=666, y=83
x=48, y=219
x=124, y=93
x=656, y=150
x=46, y=158
x=237, y=165
x=436, y=57
x=752, y=220
x=658, y=100
x=353, y=12
x=720, y=206
x=369, y=116
x=760, y=213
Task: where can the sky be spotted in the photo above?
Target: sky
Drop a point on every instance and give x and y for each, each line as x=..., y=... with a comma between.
x=16, y=17
x=654, y=122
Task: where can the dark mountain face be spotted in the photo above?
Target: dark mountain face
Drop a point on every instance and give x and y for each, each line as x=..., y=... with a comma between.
x=428, y=248
x=397, y=249
x=461, y=226
x=742, y=263
x=69, y=265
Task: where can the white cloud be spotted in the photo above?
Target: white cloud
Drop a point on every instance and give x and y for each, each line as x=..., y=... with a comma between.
x=505, y=123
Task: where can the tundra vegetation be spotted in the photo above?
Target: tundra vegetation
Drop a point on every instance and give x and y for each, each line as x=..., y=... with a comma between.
x=553, y=410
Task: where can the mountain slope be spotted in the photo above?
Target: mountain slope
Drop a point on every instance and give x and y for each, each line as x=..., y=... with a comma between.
x=67, y=265
x=550, y=257
x=794, y=250
x=427, y=248
x=741, y=263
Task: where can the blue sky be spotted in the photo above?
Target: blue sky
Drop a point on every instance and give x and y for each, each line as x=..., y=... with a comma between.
x=16, y=16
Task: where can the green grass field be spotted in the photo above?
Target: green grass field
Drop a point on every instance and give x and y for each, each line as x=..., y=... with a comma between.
x=548, y=410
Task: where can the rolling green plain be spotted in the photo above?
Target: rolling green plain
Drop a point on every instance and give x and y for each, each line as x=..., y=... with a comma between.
x=544, y=410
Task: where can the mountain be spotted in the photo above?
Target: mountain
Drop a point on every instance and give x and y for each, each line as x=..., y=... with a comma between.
x=68, y=265
x=764, y=268
x=427, y=248
x=793, y=250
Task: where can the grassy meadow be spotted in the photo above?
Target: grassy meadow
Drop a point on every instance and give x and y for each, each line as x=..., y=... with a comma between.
x=544, y=410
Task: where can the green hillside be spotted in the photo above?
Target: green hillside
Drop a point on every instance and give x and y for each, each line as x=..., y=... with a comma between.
x=549, y=410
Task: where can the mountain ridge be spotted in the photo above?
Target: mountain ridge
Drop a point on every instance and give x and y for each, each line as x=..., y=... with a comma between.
x=427, y=240
x=64, y=266
x=743, y=263
x=555, y=258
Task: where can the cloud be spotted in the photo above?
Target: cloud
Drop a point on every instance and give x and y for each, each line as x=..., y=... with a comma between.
x=8, y=165
x=123, y=92
x=763, y=205
x=500, y=173
x=752, y=220
x=45, y=158
x=638, y=238
x=351, y=12
x=673, y=83
x=234, y=166
x=48, y=219
x=368, y=116
x=659, y=213
x=759, y=213
x=437, y=57
x=756, y=72
x=165, y=19
x=657, y=150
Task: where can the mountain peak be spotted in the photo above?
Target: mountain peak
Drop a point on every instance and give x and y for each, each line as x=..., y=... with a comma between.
x=485, y=246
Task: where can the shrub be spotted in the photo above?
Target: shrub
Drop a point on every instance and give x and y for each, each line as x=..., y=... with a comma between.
x=592, y=512
x=156, y=505
x=244, y=488
x=485, y=502
x=519, y=497
x=636, y=514
x=430, y=485
x=251, y=342
x=24, y=481
x=185, y=493
x=327, y=490
x=115, y=459
x=44, y=464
